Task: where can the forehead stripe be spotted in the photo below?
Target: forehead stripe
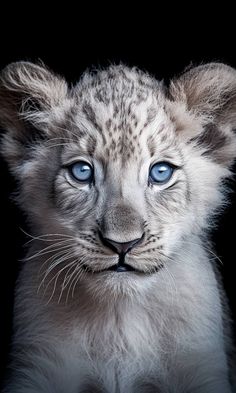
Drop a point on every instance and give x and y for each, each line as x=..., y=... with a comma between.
x=91, y=117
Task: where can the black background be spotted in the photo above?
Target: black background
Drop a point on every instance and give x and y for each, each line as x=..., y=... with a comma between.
x=163, y=51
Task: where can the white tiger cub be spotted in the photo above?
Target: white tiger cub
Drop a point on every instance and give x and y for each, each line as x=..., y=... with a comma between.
x=120, y=178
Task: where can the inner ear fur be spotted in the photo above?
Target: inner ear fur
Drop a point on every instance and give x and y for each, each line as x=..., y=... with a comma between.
x=209, y=90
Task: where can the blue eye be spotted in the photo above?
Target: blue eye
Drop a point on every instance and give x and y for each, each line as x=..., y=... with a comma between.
x=82, y=171
x=161, y=172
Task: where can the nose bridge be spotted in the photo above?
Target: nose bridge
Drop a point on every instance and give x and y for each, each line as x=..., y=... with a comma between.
x=123, y=188
x=123, y=209
x=121, y=222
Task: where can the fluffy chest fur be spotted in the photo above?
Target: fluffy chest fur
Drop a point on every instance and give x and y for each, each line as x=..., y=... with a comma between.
x=120, y=178
x=129, y=344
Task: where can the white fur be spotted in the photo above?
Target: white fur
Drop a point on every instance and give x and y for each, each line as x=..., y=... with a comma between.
x=77, y=331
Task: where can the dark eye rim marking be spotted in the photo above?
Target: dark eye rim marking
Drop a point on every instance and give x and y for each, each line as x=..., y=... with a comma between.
x=69, y=168
x=173, y=167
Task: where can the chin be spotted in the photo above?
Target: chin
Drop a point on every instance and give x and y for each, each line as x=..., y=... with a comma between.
x=112, y=285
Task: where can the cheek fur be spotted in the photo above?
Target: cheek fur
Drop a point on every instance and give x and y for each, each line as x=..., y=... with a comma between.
x=72, y=200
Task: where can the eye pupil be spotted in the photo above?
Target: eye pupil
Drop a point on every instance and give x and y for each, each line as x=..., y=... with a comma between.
x=161, y=173
x=82, y=171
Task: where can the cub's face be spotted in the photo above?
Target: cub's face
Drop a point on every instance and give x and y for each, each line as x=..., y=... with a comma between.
x=116, y=174
x=121, y=187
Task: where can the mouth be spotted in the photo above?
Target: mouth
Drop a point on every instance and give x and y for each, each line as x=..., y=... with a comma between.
x=120, y=267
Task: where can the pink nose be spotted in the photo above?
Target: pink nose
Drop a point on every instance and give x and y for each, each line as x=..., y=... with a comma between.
x=120, y=248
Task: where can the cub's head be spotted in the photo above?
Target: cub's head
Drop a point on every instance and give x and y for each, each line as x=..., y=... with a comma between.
x=117, y=171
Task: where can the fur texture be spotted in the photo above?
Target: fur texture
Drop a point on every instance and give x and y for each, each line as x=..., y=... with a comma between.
x=79, y=327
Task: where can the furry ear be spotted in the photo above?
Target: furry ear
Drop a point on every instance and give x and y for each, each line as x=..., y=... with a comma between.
x=209, y=93
x=28, y=94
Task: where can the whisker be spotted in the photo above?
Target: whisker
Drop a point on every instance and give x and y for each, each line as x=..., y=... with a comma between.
x=57, y=261
x=58, y=144
x=45, y=236
x=52, y=258
x=62, y=258
x=55, y=277
x=208, y=249
x=52, y=237
x=69, y=131
x=80, y=273
x=64, y=284
x=53, y=247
